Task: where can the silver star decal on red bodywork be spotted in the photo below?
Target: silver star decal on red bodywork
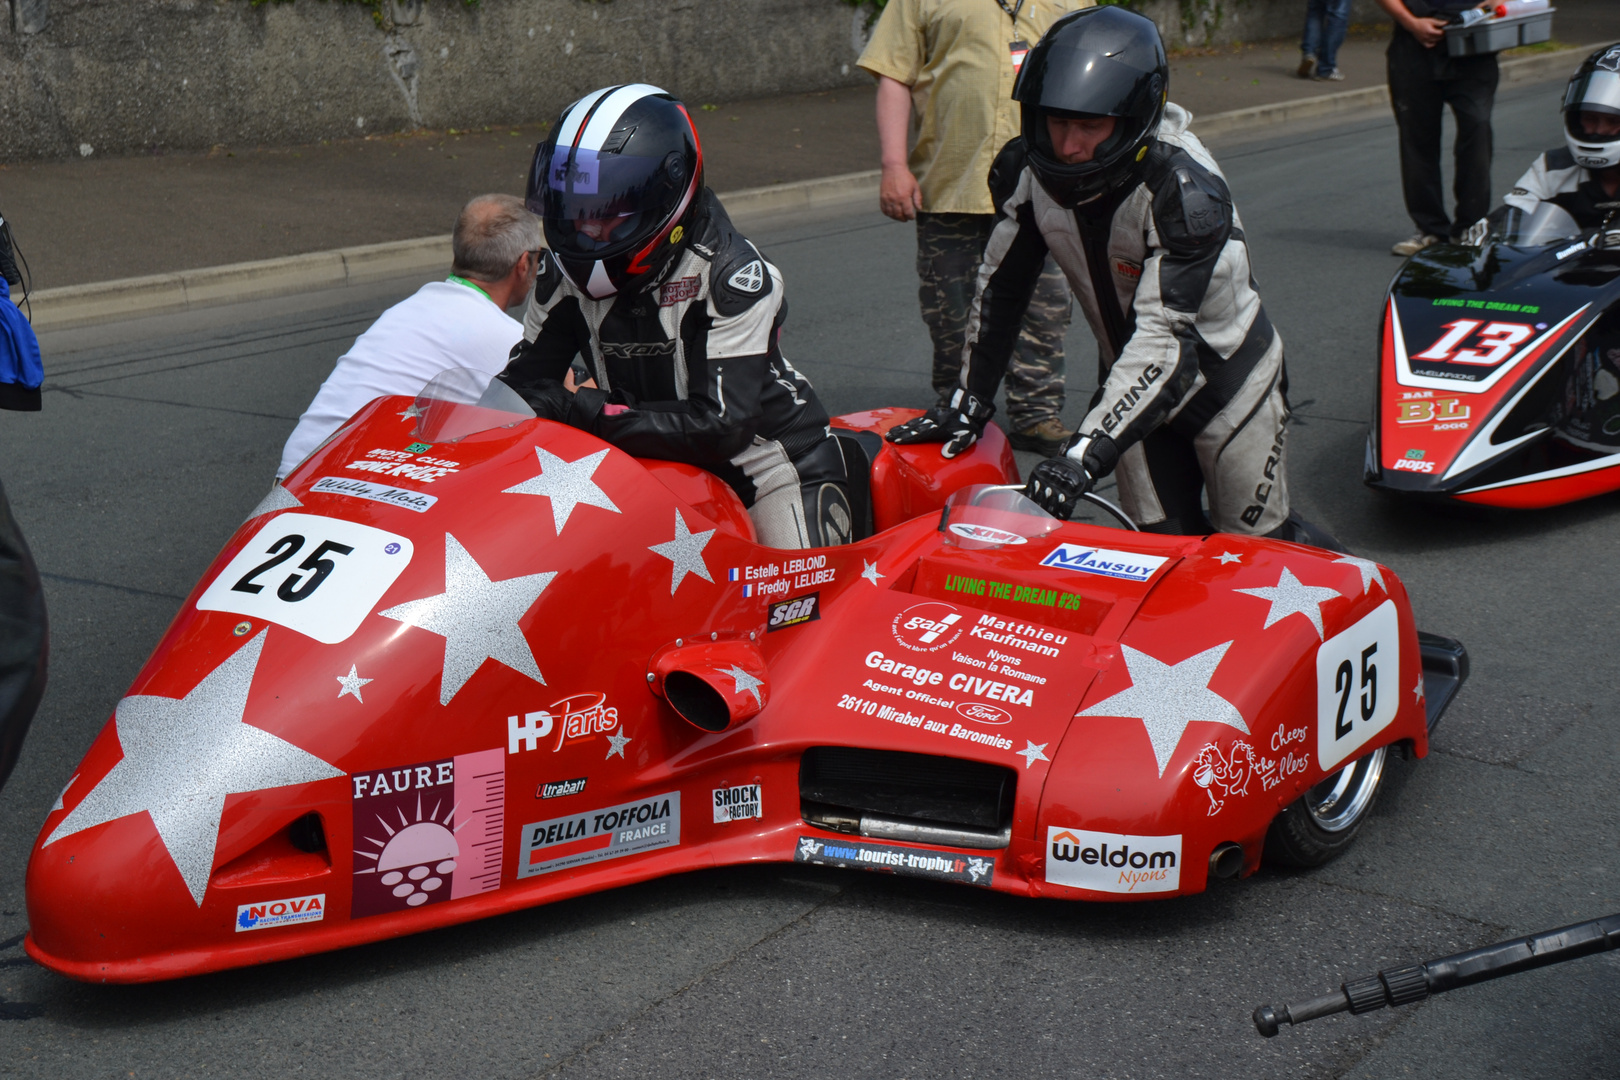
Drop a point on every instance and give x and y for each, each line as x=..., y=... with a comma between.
x=1168, y=697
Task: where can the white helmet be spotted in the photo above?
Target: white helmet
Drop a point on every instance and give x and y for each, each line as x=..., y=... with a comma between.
x=1594, y=89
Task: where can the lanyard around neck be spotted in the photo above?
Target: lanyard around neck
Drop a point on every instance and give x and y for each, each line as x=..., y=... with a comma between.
x=1012, y=11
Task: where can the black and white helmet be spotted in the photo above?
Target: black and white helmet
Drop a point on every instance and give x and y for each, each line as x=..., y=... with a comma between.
x=616, y=186
x=1101, y=61
x=1595, y=89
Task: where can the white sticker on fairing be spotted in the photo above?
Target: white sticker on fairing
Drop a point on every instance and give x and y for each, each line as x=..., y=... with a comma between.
x=1358, y=684
x=319, y=576
x=1112, y=862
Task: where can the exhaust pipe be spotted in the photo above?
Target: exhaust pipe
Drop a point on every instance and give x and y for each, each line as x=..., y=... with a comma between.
x=1226, y=861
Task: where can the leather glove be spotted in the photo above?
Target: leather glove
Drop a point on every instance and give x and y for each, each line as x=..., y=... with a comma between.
x=957, y=425
x=549, y=399
x=1057, y=484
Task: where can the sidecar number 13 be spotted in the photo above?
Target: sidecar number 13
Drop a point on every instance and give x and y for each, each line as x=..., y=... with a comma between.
x=317, y=575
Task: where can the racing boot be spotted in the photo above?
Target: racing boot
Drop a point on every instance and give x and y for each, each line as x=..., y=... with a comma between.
x=1046, y=438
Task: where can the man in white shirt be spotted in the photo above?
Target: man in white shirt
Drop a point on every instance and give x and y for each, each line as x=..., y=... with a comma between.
x=458, y=322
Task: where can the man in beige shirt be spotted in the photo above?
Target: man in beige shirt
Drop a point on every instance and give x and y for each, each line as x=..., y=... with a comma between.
x=950, y=66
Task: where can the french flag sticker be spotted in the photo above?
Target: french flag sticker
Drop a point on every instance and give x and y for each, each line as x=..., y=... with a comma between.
x=748, y=590
x=735, y=574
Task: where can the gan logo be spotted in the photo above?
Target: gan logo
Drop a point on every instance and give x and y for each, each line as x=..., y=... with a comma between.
x=594, y=835
x=984, y=534
x=271, y=913
x=427, y=833
x=737, y=804
x=980, y=713
x=674, y=292
x=749, y=279
x=1113, y=862
x=910, y=861
x=576, y=718
x=556, y=789
x=1108, y=563
x=927, y=627
x=794, y=612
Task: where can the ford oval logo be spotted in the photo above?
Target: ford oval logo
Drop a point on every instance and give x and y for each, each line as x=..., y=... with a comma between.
x=981, y=713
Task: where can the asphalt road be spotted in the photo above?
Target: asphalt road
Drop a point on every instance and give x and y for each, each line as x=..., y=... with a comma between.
x=158, y=436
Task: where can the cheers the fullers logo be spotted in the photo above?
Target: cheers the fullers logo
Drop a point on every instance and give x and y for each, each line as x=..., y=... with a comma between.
x=575, y=718
x=1112, y=862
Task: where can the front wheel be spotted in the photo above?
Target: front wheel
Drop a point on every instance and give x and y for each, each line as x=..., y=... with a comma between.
x=1318, y=826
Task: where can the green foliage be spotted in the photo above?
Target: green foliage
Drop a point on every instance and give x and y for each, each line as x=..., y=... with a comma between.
x=873, y=9
x=374, y=6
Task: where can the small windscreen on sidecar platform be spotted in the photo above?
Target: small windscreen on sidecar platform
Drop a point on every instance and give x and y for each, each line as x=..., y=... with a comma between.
x=1547, y=224
x=459, y=402
x=991, y=515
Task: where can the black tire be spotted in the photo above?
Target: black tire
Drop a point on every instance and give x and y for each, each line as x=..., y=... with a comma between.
x=1320, y=825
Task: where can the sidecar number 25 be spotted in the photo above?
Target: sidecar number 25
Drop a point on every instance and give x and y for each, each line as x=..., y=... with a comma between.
x=319, y=576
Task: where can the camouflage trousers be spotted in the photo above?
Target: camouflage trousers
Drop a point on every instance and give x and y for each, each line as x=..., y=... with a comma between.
x=949, y=247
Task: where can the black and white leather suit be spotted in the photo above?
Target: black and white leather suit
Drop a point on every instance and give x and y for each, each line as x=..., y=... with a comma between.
x=692, y=371
x=1191, y=369
x=1554, y=177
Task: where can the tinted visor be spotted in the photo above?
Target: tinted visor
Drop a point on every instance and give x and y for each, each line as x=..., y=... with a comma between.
x=596, y=204
x=1596, y=92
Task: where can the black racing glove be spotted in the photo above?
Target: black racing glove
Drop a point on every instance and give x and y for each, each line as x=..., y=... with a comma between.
x=957, y=425
x=549, y=399
x=1057, y=484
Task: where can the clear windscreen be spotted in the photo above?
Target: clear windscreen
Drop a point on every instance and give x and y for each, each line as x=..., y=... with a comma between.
x=1546, y=224
x=459, y=402
x=993, y=515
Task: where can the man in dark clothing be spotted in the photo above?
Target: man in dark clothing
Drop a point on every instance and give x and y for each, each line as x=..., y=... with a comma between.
x=677, y=317
x=1423, y=80
x=23, y=631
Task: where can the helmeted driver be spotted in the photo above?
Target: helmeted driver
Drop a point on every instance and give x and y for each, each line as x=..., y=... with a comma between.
x=1136, y=213
x=1581, y=177
x=676, y=315
x=1585, y=171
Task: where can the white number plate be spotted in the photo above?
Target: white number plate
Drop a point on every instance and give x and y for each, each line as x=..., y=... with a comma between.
x=317, y=575
x=1358, y=684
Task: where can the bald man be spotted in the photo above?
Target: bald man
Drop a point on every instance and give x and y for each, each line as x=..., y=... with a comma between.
x=458, y=322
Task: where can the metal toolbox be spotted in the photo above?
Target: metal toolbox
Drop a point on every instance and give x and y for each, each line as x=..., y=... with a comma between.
x=1494, y=35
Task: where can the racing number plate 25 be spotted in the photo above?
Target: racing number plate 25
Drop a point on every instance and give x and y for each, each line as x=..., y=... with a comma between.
x=1358, y=684
x=317, y=575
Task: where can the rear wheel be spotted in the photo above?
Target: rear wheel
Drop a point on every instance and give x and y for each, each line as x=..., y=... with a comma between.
x=1318, y=826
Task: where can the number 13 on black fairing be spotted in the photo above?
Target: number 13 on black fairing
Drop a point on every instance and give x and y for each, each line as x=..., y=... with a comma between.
x=1358, y=684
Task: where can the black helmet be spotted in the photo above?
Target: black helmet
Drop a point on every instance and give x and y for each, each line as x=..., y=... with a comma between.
x=1102, y=61
x=1594, y=89
x=617, y=186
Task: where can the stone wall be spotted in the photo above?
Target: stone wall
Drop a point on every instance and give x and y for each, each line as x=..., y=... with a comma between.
x=116, y=76
x=123, y=76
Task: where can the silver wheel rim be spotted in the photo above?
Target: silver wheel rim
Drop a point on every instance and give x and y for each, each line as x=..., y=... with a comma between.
x=1339, y=801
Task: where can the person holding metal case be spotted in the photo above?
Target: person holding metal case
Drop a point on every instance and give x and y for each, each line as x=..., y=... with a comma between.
x=677, y=315
x=1135, y=211
x=1585, y=171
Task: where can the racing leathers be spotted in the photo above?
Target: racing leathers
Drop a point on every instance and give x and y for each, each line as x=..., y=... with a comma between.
x=1554, y=177
x=692, y=371
x=1591, y=415
x=1191, y=369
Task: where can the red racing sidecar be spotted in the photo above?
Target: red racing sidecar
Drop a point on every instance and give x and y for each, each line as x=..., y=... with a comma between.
x=466, y=661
